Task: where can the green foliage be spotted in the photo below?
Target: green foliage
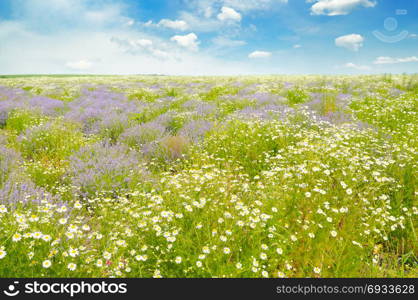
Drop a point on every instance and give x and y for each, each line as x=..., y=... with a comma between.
x=19, y=120
x=172, y=92
x=46, y=173
x=51, y=141
x=112, y=130
x=148, y=114
x=143, y=95
x=296, y=95
x=219, y=91
x=33, y=90
x=247, y=150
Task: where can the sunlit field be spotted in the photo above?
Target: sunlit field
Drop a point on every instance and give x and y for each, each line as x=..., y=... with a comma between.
x=157, y=176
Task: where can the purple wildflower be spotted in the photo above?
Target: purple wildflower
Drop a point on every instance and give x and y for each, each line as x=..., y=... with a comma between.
x=14, y=192
x=142, y=134
x=195, y=129
x=102, y=166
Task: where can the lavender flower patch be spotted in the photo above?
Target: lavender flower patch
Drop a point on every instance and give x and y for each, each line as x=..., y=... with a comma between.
x=14, y=99
x=104, y=167
x=139, y=135
x=8, y=162
x=14, y=193
x=195, y=130
x=100, y=110
x=199, y=107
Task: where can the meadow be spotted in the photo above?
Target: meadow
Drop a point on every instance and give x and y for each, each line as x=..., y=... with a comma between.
x=158, y=176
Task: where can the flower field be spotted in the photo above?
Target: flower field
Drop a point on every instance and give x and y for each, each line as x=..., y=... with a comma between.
x=157, y=176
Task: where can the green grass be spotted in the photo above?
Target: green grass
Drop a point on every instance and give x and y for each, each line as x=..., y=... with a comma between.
x=287, y=195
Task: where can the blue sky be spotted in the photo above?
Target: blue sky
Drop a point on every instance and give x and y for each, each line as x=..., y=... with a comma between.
x=208, y=37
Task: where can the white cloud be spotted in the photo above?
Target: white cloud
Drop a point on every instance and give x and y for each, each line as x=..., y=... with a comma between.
x=28, y=48
x=167, y=23
x=79, y=65
x=200, y=23
x=357, y=67
x=143, y=47
x=228, y=13
x=143, y=42
x=296, y=46
x=161, y=54
x=413, y=36
x=249, y=5
x=130, y=22
x=338, y=7
x=50, y=54
x=214, y=15
x=259, y=54
x=222, y=41
x=393, y=60
x=244, y=6
x=133, y=45
x=101, y=16
x=351, y=42
x=176, y=24
x=208, y=12
x=188, y=41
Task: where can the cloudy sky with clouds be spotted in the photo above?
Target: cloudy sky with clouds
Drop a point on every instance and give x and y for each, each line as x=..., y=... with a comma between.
x=208, y=37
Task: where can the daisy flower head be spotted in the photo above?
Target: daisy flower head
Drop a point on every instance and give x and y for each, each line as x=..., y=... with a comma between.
x=46, y=263
x=72, y=266
x=3, y=252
